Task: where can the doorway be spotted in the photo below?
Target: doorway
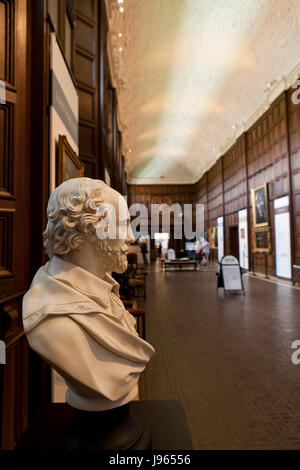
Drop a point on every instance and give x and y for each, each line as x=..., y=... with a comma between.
x=234, y=241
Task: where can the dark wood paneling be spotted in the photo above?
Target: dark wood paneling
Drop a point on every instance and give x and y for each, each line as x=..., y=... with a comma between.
x=14, y=375
x=215, y=193
x=6, y=143
x=97, y=99
x=86, y=107
x=85, y=69
x=6, y=248
x=294, y=141
x=200, y=195
x=87, y=76
x=85, y=35
x=14, y=220
x=87, y=8
x=14, y=163
x=267, y=156
x=7, y=41
x=234, y=174
x=159, y=194
x=235, y=190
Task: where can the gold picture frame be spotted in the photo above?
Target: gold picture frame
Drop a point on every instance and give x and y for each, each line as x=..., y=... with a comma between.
x=261, y=240
x=213, y=237
x=69, y=166
x=260, y=205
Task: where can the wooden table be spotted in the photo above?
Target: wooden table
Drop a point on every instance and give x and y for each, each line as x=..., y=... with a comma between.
x=178, y=264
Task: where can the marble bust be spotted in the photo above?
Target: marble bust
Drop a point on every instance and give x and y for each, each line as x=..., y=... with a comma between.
x=72, y=314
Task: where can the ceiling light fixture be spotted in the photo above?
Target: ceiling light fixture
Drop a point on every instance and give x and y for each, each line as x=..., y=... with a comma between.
x=269, y=85
x=120, y=35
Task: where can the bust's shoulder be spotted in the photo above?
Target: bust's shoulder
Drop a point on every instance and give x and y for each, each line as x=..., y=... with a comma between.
x=48, y=295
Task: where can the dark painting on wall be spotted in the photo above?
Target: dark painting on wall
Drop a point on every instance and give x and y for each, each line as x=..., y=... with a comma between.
x=69, y=165
x=260, y=205
x=213, y=238
x=262, y=240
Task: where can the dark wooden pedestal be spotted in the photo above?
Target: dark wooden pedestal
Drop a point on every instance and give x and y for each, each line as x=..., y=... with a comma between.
x=61, y=427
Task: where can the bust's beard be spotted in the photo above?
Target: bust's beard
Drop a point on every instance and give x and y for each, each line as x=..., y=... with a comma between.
x=110, y=260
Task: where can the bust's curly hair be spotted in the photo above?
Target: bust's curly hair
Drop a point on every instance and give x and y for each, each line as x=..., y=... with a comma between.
x=72, y=214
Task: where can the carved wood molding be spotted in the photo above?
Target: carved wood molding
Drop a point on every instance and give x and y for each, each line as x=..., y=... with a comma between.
x=10, y=329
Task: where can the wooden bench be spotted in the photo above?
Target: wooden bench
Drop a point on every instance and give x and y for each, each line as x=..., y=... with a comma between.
x=178, y=264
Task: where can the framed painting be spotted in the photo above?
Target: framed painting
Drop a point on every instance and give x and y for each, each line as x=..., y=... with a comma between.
x=69, y=165
x=213, y=237
x=260, y=212
x=261, y=237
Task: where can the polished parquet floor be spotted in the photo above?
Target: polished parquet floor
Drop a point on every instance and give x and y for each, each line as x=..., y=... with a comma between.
x=227, y=358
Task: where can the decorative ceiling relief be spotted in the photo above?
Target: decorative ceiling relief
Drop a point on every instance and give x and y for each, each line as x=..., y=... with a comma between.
x=193, y=75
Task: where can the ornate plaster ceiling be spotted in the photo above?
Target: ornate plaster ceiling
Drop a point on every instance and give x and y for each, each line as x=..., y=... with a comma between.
x=192, y=75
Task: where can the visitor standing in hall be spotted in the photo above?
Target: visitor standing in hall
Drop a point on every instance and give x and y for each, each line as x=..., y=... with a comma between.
x=206, y=250
x=144, y=252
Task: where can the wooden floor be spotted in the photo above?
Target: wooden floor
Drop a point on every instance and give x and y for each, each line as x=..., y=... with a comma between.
x=227, y=358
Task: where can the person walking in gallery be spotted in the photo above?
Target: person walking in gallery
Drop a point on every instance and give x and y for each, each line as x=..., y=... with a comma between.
x=198, y=251
x=144, y=252
x=206, y=250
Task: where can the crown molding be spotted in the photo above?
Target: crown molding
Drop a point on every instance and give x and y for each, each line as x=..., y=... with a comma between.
x=156, y=181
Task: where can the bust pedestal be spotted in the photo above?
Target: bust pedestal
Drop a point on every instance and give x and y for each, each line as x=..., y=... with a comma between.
x=55, y=428
x=116, y=429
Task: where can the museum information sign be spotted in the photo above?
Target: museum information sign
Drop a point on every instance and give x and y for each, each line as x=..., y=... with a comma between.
x=231, y=273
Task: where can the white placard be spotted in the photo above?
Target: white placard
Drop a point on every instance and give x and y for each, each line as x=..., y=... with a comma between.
x=283, y=245
x=2, y=92
x=171, y=254
x=2, y=353
x=229, y=259
x=232, y=277
x=231, y=273
x=243, y=239
x=220, y=238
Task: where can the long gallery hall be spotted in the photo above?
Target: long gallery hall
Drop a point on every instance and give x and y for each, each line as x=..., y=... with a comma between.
x=149, y=226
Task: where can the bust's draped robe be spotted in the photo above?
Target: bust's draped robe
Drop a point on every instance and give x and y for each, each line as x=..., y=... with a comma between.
x=77, y=323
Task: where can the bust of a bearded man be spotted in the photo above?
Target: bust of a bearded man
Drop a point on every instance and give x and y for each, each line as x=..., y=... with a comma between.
x=72, y=314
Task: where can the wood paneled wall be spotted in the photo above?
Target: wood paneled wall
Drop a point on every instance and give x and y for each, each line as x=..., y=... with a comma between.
x=25, y=27
x=269, y=152
x=234, y=186
x=215, y=192
x=294, y=167
x=14, y=220
x=267, y=159
x=159, y=194
x=86, y=72
x=100, y=140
